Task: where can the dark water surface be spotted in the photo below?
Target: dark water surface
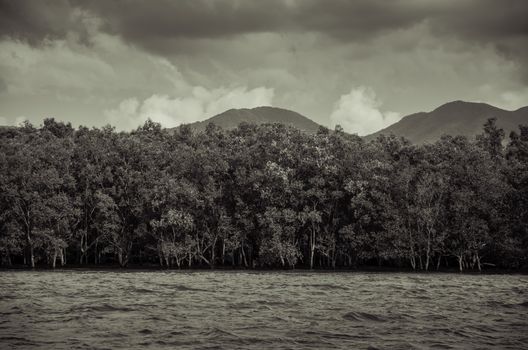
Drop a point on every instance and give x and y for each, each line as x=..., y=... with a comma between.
x=216, y=310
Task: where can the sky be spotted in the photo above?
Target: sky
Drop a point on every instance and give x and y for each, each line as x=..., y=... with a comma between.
x=360, y=64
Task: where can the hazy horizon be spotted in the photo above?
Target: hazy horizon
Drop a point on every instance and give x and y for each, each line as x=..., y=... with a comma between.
x=361, y=64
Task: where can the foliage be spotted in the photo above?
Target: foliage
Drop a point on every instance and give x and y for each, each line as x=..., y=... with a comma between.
x=261, y=196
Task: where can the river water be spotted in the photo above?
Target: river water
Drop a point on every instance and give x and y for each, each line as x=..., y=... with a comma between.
x=261, y=310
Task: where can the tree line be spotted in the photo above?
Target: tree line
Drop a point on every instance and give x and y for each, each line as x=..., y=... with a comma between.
x=267, y=196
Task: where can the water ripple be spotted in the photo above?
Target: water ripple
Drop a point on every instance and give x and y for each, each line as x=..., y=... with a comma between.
x=219, y=310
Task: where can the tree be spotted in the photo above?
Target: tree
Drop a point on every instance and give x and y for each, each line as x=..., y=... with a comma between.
x=491, y=139
x=515, y=246
x=260, y=195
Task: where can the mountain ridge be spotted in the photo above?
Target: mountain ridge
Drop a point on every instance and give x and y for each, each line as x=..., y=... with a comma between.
x=453, y=118
x=231, y=118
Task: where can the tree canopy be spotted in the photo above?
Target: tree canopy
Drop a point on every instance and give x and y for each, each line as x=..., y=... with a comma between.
x=267, y=196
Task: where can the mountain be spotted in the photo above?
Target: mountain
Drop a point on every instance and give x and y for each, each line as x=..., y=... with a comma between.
x=454, y=118
x=259, y=115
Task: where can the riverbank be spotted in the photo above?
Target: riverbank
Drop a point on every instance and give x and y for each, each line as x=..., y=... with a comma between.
x=362, y=269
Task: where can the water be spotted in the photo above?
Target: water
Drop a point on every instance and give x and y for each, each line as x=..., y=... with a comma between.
x=136, y=310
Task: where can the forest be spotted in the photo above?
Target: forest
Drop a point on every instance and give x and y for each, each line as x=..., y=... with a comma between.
x=267, y=196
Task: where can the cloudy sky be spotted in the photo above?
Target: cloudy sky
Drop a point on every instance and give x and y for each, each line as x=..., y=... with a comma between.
x=361, y=64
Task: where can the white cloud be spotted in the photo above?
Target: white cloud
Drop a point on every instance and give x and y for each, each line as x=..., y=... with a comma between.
x=411, y=70
x=74, y=82
x=20, y=120
x=7, y=122
x=126, y=111
x=513, y=99
x=199, y=104
x=359, y=112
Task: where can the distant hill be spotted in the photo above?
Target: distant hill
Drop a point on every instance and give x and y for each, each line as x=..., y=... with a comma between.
x=454, y=118
x=231, y=118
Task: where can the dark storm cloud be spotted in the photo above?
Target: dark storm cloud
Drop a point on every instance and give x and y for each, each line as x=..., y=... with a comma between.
x=210, y=19
x=145, y=22
x=198, y=18
x=167, y=27
x=36, y=20
x=502, y=24
x=306, y=54
x=484, y=19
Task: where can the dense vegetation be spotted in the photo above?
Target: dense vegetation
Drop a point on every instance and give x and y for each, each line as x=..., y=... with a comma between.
x=261, y=196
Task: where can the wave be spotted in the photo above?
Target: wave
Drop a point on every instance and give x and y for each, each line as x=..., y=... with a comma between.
x=189, y=311
x=326, y=286
x=494, y=303
x=218, y=332
x=18, y=341
x=140, y=290
x=105, y=307
x=182, y=288
x=363, y=316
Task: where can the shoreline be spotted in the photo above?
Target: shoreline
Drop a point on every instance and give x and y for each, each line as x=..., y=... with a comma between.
x=153, y=268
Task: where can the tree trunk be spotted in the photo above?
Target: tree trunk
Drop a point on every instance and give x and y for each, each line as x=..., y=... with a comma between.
x=413, y=256
x=460, y=263
x=428, y=250
x=85, y=250
x=54, y=258
x=160, y=257
x=84, y=247
x=312, y=247
x=31, y=256
x=427, y=256
x=61, y=251
x=206, y=261
x=223, y=252
x=212, y=263
x=29, y=243
x=122, y=257
x=119, y=257
x=438, y=262
x=243, y=255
